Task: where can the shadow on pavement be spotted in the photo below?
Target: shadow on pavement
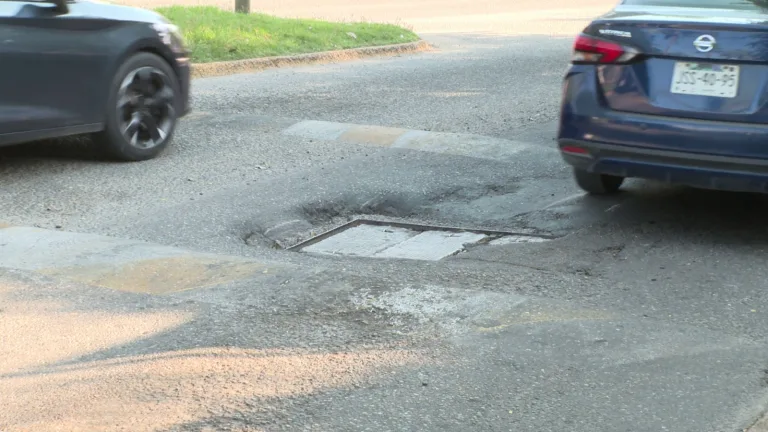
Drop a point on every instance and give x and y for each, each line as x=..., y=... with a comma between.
x=78, y=356
x=71, y=148
x=673, y=253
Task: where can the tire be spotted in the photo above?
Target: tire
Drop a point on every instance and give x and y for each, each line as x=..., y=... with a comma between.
x=597, y=184
x=144, y=92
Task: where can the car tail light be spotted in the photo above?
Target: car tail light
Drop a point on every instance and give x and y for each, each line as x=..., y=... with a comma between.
x=590, y=50
x=575, y=150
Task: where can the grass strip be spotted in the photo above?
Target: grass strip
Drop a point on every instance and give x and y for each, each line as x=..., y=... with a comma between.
x=214, y=34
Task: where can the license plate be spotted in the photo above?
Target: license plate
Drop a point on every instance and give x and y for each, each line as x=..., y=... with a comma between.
x=705, y=79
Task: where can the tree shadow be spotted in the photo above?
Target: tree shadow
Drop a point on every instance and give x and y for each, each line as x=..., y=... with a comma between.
x=83, y=355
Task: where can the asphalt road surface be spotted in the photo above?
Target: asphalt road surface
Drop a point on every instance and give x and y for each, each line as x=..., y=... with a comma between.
x=644, y=312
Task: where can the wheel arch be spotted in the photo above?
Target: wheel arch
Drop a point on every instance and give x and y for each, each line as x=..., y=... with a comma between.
x=151, y=46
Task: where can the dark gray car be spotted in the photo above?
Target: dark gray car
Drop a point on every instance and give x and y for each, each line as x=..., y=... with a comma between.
x=67, y=68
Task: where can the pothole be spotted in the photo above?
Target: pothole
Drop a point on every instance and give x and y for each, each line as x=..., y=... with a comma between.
x=396, y=240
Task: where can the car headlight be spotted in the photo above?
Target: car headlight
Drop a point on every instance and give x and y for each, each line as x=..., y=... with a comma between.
x=170, y=35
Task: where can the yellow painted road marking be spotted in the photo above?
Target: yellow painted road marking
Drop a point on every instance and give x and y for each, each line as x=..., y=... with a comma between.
x=162, y=275
x=375, y=135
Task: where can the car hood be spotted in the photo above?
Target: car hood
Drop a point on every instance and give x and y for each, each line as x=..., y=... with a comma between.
x=100, y=9
x=85, y=9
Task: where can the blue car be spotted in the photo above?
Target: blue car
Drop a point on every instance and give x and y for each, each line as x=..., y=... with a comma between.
x=670, y=90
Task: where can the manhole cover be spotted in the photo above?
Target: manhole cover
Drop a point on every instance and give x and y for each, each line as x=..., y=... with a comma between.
x=376, y=239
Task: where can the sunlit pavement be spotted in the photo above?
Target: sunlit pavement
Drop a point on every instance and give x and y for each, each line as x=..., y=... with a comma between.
x=640, y=312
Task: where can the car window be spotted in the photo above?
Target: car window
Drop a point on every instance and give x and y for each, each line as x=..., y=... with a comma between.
x=712, y=4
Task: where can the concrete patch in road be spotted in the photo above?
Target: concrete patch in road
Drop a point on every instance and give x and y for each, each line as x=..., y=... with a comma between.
x=455, y=310
x=162, y=275
x=469, y=145
x=476, y=311
x=35, y=249
x=380, y=239
x=123, y=265
x=392, y=242
x=365, y=241
x=432, y=245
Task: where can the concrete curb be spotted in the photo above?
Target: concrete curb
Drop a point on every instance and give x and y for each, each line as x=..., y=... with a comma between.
x=201, y=70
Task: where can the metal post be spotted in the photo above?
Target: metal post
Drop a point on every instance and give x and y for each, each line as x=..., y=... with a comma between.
x=243, y=6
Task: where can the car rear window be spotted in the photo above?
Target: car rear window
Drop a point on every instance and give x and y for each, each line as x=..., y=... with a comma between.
x=712, y=4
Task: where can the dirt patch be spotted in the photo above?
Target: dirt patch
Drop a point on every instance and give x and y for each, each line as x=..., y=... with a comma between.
x=396, y=206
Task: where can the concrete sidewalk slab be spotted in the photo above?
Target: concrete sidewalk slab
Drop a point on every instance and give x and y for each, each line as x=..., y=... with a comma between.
x=124, y=265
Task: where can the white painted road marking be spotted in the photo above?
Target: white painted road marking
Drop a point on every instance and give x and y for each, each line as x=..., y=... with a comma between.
x=468, y=145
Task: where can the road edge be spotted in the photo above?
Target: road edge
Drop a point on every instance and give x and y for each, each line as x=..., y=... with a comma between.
x=203, y=70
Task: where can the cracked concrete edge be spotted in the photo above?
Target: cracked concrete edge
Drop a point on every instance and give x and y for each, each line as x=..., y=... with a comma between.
x=129, y=265
x=760, y=425
x=202, y=70
x=758, y=413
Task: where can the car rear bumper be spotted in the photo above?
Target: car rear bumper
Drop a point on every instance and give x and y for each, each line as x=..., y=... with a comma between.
x=700, y=153
x=702, y=171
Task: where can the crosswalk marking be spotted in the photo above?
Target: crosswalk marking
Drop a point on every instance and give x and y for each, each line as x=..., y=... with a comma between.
x=469, y=145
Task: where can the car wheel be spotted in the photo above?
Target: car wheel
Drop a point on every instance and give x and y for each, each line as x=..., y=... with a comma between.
x=597, y=184
x=141, y=111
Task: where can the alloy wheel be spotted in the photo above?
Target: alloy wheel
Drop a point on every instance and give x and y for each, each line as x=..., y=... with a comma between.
x=145, y=107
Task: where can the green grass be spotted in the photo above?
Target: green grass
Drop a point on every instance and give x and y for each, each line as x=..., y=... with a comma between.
x=216, y=35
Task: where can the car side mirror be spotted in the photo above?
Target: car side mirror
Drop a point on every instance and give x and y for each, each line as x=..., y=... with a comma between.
x=61, y=6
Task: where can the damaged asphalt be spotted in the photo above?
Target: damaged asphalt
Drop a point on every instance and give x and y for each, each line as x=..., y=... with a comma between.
x=646, y=312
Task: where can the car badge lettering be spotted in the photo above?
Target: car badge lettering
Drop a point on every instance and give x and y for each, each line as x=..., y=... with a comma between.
x=619, y=33
x=704, y=43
